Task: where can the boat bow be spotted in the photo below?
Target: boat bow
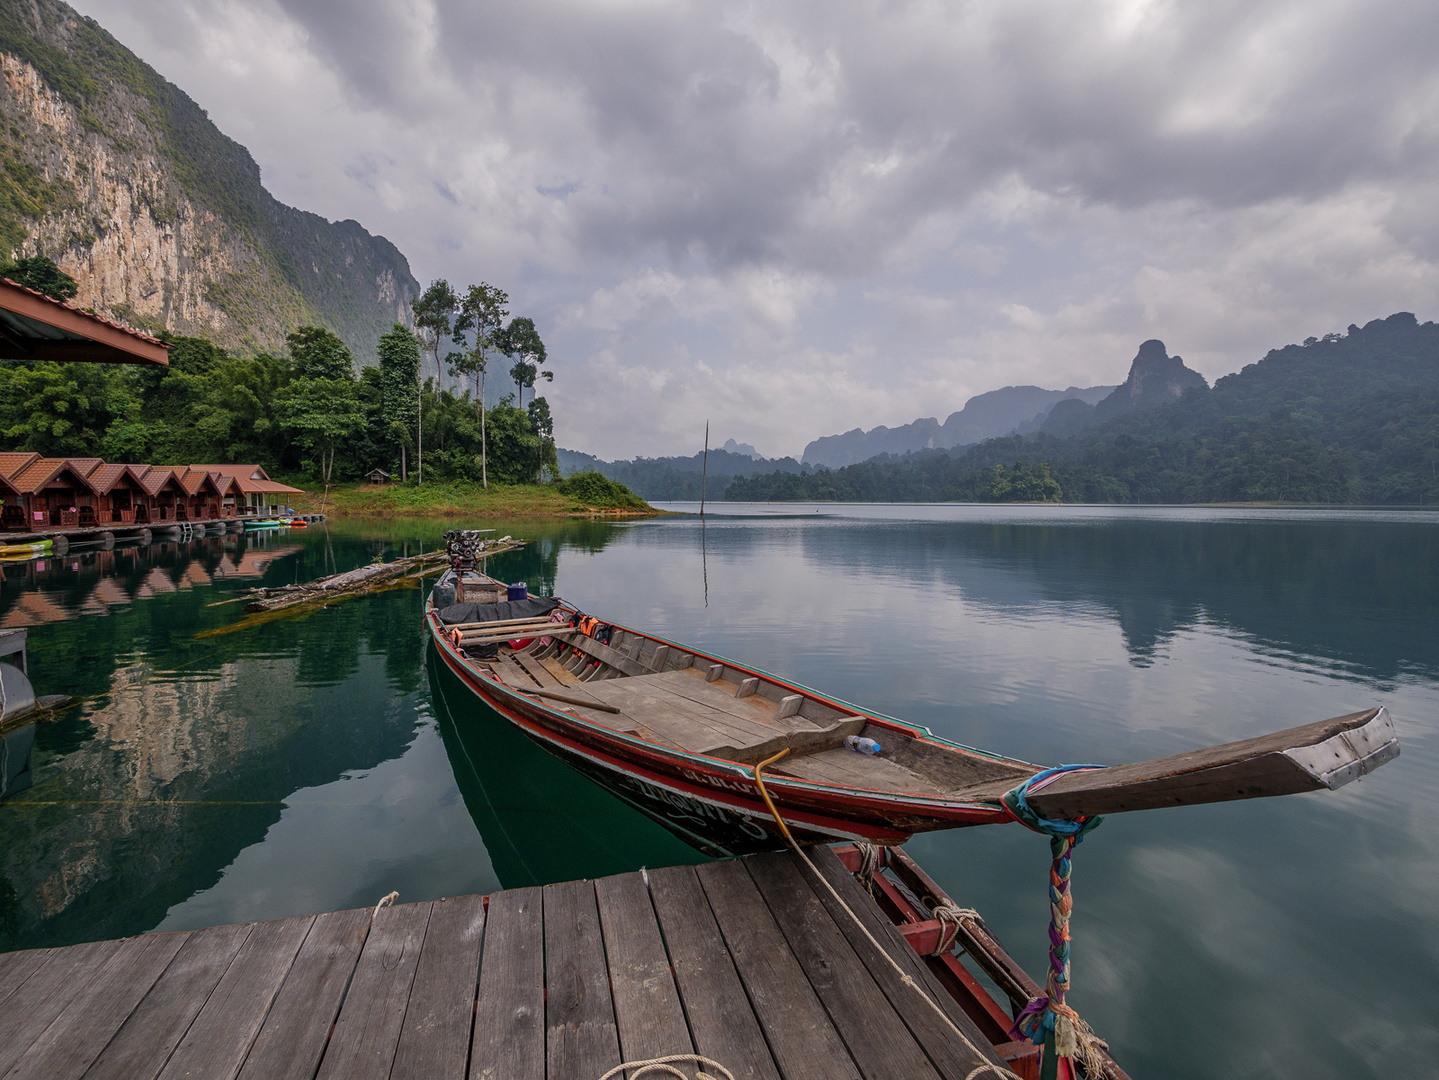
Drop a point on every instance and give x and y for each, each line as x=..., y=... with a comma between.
x=1328, y=754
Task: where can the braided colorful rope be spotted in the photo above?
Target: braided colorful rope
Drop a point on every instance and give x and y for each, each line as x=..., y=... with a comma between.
x=1037, y=1021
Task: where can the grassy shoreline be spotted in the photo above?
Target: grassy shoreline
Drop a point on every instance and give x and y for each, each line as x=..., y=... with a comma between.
x=454, y=499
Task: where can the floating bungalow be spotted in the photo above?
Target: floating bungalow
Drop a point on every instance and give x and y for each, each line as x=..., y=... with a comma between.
x=53, y=495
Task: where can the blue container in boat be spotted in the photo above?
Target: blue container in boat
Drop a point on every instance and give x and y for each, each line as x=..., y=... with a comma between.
x=518, y=591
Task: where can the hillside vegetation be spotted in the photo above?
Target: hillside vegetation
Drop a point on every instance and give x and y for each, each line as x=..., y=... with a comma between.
x=1351, y=418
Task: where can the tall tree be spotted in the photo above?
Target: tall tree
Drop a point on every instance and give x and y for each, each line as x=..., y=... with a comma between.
x=433, y=310
x=539, y=413
x=316, y=353
x=42, y=275
x=482, y=312
x=399, y=354
x=318, y=413
x=521, y=341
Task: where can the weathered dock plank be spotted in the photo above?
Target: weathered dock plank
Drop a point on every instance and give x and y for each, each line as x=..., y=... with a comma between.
x=45, y=994
x=951, y=1056
x=367, y=1031
x=292, y=1039
x=750, y=962
x=804, y=1042
x=648, y=1014
x=509, y=1042
x=75, y=1038
x=722, y=1024
x=16, y=967
x=877, y=1039
x=215, y=1046
x=581, y=1041
x=435, y=1038
x=149, y=1036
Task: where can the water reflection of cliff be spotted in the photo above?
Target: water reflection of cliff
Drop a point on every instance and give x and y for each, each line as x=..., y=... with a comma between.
x=1309, y=590
x=184, y=751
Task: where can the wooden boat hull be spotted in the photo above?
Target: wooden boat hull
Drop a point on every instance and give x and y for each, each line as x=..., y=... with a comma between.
x=656, y=735
x=706, y=801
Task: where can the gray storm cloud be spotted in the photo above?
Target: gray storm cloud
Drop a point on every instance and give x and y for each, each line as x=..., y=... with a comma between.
x=799, y=218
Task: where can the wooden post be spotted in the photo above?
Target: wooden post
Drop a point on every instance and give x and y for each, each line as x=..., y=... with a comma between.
x=704, y=468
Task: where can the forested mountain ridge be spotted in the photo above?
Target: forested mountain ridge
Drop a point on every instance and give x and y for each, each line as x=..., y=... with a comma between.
x=123, y=180
x=1348, y=418
x=1155, y=378
x=678, y=478
x=1006, y=411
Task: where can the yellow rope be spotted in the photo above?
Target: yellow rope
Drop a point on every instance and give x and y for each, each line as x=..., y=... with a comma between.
x=904, y=976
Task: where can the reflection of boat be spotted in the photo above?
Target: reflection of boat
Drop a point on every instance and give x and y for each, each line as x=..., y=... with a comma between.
x=17, y=702
x=539, y=822
x=682, y=734
x=16, y=745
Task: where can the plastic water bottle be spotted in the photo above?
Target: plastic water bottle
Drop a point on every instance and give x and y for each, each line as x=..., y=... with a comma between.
x=861, y=745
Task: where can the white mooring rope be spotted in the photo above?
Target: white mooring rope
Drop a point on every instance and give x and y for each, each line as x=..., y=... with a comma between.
x=904, y=976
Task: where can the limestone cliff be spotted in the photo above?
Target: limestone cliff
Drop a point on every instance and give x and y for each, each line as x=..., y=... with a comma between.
x=123, y=180
x=1155, y=379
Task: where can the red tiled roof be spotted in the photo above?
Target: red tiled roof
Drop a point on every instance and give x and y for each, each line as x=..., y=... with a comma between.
x=194, y=479
x=246, y=472
x=266, y=487
x=41, y=471
x=104, y=478
x=12, y=462
x=158, y=476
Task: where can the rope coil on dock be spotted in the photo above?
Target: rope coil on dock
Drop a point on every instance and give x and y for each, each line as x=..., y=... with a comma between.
x=664, y=1066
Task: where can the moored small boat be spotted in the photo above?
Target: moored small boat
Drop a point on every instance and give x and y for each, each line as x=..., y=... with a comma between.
x=26, y=551
x=683, y=735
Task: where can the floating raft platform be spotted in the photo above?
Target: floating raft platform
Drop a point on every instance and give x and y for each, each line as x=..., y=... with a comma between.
x=750, y=962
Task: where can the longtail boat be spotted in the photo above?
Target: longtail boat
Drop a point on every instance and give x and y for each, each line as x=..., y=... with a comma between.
x=680, y=733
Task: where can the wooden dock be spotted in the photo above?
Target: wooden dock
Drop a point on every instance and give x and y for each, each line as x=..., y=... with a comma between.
x=749, y=962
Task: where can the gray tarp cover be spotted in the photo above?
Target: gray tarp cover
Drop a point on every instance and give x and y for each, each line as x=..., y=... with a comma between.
x=505, y=609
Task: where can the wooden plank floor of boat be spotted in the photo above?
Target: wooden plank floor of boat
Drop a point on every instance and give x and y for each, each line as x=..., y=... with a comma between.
x=681, y=709
x=741, y=960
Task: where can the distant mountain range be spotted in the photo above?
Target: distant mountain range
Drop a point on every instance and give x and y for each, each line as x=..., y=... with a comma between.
x=1347, y=418
x=681, y=478
x=1007, y=411
x=122, y=179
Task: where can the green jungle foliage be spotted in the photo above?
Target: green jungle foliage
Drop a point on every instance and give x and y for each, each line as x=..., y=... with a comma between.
x=42, y=275
x=304, y=412
x=1350, y=418
x=597, y=490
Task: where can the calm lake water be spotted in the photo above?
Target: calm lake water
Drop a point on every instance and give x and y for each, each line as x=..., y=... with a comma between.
x=307, y=765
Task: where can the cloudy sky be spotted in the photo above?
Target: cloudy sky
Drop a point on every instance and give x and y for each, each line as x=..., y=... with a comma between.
x=798, y=218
